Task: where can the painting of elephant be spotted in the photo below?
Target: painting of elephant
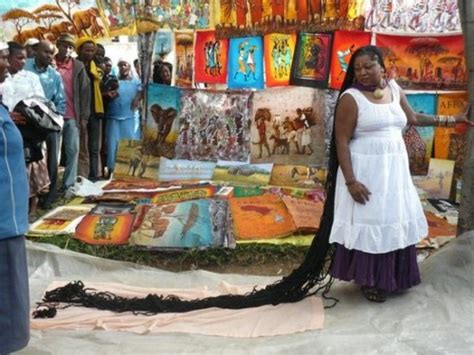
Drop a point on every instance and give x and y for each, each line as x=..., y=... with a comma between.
x=164, y=119
x=85, y=22
x=37, y=32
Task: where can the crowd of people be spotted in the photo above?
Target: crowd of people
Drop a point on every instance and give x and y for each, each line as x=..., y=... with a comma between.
x=98, y=108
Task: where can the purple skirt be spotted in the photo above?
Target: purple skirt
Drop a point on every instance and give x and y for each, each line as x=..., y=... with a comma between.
x=393, y=271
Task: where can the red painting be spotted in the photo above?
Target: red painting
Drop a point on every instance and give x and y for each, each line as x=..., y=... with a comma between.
x=210, y=58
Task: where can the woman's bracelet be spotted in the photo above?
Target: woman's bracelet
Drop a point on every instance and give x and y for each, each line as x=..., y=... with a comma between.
x=444, y=121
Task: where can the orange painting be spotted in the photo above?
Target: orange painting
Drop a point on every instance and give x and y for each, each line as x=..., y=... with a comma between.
x=260, y=217
x=279, y=50
x=105, y=229
x=425, y=63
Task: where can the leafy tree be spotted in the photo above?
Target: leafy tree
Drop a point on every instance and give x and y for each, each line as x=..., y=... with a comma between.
x=424, y=48
x=48, y=14
x=20, y=18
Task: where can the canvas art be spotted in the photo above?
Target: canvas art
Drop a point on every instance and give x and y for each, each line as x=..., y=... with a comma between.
x=214, y=126
x=118, y=16
x=105, y=229
x=260, y=217
x=437, y=183
x=245, y=64
x=423, y=16
x=180, y=225
x=61, y=220
x=279, y=51
x=47, y=19
x=449, y=104
x=240, y=173
x=132, y=161
x=163, y=58
x=210, y=58
x=162, y=125
x=345, y=43
x=178, y=169
x=420, y=141
x=425, y=63
x=299, y=176
x=287, y=126
x=306, y=214
x=184, y=41
x=183, y=194
x=312, y=59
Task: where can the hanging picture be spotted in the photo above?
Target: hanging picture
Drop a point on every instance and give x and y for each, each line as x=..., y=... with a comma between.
x=163, y=61
x=419, y=140
x=184, y=58
x=345, y=43
x=245, y=65
x=118, y=17
x=425, y=63
x=311, y=61
x=437, y=183
x=240, y=173
x=210, y=58
x=287, y=126
x=424, y=16
x=162, y=126
x=279, y=50
x=299, y=176
x=214, y=126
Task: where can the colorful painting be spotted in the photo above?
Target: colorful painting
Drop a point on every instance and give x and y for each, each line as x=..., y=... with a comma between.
x=420, y=158
x=191, y=14
x=260, y=217
x=47, y=19
x=107, y=229
x=437, y=183
x=239, y=173
x=312, y=58
x=424, y=16
x=162, y=124
x=163, y=58
x=214, y=126
x=345, y=43
x=425, y=63
x=184, y=58
x=245, y=64
x=299, y=176
x=180, y=225
x=133, y=184
x=183, y=194
x=61, y=220
x=176, y=169
x=306, y=214
x=210, y=58
x=132, y=161
x=449, y=104
x=118, y=17
x=288, y=127
x=279, y=51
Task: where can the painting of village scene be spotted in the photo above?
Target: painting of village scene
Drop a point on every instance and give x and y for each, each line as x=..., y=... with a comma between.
x=133, y=162
x=425, y=63
x=287, y=126
x=184, y=58
x=47, y=19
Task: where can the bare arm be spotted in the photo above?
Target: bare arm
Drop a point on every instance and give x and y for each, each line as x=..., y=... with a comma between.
x=345, y=124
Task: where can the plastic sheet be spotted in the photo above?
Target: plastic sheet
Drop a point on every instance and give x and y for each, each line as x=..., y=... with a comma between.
x=434, y=317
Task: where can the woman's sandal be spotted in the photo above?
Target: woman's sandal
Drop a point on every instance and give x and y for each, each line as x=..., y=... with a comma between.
x=374, y=294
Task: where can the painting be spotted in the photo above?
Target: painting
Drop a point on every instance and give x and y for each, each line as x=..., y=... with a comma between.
x=105, y=229
x=183, y=194
x=306, y=214
x=345, y=43
x=214, y=125
x=245, y=64
x=184, y=58
x=299, y=176
x=287, y=126
x=311, y=61
x=437, y=183
x=240, y=173
x=179, y=170
x=404, y=16
x=118, y=16
x=210, y=58
x=279, y=51
x=163, y=58
x=260, y=217
x=178, y=225
x=425, y=63
x=162, y=126
x=420, y=140
x=61, y=220
x=132, y=162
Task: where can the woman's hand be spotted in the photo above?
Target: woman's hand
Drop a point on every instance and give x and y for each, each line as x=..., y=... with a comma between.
x=359, y=192
x=464, y=117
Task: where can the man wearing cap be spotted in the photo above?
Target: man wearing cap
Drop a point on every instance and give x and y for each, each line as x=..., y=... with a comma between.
x=52, y=84
x=14, y=293
x=78, y=95
x=86, y=49
x=31, y=45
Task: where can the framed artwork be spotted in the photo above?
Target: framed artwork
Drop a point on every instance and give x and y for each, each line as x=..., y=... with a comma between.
x=245, y=65
x=312, y=60
x=279, y=51
x=210, y=58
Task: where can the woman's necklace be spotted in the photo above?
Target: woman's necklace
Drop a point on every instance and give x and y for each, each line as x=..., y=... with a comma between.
x=378, y=91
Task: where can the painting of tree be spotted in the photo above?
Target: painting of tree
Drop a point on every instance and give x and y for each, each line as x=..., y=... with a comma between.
x=423, y=48
x=20, y=18
x=66, y=6
x=48, y=14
